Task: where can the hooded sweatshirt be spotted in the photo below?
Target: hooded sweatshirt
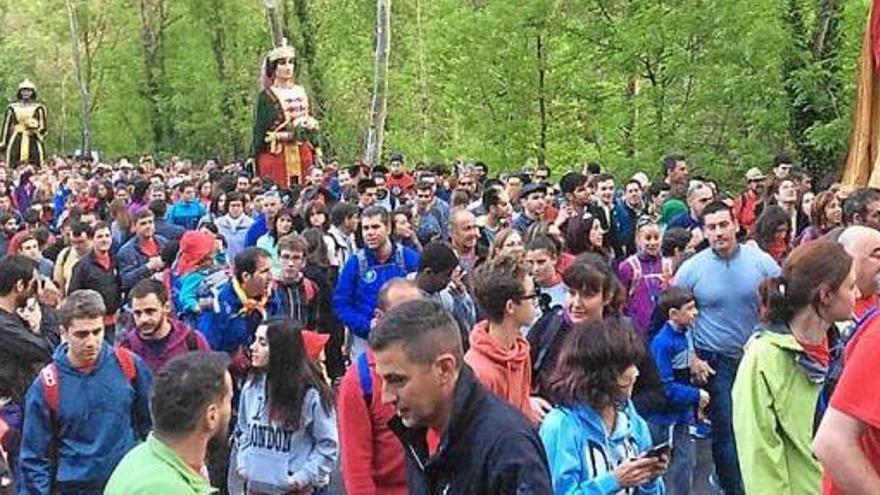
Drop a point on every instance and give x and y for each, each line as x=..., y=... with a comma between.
x=274, y=456
x=100, y=417
x=506, y=372
x=583, y=454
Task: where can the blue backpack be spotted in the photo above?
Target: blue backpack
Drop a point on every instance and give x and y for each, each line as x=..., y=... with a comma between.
x=365, y=378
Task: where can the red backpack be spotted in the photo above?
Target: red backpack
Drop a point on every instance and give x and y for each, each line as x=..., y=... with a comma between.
x=50, y=382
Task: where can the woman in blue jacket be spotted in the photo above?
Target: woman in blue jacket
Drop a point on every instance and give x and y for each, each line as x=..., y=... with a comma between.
x=595, y=439
x=286, y=427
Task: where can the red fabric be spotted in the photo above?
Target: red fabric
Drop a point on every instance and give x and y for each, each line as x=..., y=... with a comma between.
x=103, y=260
x=853, y=396
x=314, y=343
x=404, y=181
x=564, y=261
x=505, y=372
x=744, y=208
x=274, y=167
x=150, y=247
x=195, y=246
x=819, y=352
x=433, y=440
x=371, y=455
x=864, y=304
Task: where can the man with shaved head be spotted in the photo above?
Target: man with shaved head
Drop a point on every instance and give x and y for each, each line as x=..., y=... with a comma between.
x=847, y=443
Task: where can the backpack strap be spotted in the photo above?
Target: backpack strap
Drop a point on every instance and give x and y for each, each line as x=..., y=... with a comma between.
x=636, y=266
x=399, y=258
x=126, y=361
x=51, y=392
x=310, y=289
x=545, y=341
x=363, y=265
x=365, y=378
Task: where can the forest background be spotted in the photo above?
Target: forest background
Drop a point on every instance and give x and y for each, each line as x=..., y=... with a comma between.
x=623, y=82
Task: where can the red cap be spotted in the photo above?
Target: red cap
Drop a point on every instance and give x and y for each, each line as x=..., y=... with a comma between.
x=314, y=343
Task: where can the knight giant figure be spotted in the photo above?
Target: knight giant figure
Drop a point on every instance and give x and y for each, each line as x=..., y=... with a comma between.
x=24, y=126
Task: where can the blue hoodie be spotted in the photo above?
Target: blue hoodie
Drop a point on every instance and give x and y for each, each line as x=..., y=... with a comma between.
x=101, y=416
x=273, y=456
x=583, y=456
x=186, y=214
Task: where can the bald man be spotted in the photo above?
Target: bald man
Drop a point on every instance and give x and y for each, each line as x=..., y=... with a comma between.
x=863, y=244
x=372, y=457
x=847, y=443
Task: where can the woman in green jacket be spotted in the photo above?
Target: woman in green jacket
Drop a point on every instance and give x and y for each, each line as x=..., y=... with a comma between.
x=778, y=381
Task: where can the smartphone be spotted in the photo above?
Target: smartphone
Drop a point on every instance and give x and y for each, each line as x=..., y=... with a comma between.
x=658, y=450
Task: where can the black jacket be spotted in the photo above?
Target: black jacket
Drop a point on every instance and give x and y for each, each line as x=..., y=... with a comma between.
x=88, y=274
x=22, y=355
x=488, y=448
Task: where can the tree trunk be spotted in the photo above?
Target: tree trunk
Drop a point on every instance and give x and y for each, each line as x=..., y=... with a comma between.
x=379, y=104
x=85, y=103
x=274, y=20
x=308, y=56
x=154, y=22
x=542, y=98
x=218, y=49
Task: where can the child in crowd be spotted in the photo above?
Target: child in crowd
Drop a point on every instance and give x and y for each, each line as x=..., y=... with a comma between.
x=644, y=274
x=672, y=349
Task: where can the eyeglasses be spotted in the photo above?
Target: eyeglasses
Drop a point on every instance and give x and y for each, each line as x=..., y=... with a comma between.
x=533, y=295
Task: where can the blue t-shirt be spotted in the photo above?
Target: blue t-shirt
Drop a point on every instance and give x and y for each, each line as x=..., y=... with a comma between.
x=726, y=291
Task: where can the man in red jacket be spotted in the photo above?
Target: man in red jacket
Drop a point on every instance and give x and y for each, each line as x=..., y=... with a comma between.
x=372, y=457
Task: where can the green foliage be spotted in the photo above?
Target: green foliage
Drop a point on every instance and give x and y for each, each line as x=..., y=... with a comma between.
x=727, y=83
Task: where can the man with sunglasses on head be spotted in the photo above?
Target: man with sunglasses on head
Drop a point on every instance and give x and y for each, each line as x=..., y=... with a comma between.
x=86, y=409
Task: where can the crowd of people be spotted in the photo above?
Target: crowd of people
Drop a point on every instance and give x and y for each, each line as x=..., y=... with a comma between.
x=193, y=328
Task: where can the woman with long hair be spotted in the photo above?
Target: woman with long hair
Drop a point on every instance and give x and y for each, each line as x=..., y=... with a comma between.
x=827, y=214
x=584, y=234
x=772, y=232
x=104, y=196
x=781, y=374
x=402, y=228
x=217, y=207
x=281, y=225
x=121, y=226
x=595, y=440
x=286, y=428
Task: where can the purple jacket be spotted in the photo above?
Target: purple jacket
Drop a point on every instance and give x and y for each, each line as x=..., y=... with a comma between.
x=181, y=340
x=643, y=285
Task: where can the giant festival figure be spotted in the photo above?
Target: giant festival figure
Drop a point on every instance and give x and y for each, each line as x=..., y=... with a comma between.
x=24, y=127
x=285, y=135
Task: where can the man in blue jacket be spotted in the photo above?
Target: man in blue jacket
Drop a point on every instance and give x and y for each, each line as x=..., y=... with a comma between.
x=458, y=437
x=87, y=408
x=364, y=274
x=240, y=305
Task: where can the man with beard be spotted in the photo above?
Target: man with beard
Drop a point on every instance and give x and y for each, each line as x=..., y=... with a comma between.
x=22, y=352
x=156, y=338
x=87, y=408
x=191, y=405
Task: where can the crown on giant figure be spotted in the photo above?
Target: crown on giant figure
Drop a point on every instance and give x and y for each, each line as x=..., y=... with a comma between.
x=27, y=84
x=282, y=51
